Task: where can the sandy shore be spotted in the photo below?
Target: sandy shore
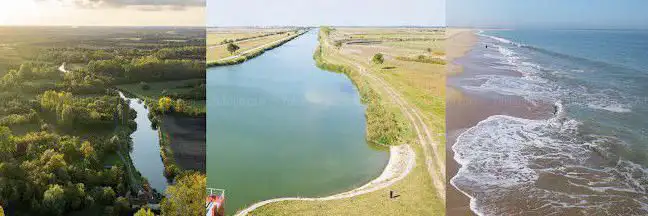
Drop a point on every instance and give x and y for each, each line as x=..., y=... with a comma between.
x=459, y=42
x=465, y=110
x=402, y=160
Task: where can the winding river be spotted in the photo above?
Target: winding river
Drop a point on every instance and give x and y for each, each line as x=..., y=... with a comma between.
x=279, y=126
x=146, y=147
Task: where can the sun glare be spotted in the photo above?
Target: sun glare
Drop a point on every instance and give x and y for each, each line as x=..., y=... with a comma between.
x=56, y=12
x=26, y=11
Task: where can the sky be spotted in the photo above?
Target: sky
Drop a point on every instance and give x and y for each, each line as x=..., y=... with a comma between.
x=603, y=14
x=103, y=12
x=326, y=12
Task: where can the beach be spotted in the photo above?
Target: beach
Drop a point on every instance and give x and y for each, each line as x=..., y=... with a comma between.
x=465, y=109
x=545, y=122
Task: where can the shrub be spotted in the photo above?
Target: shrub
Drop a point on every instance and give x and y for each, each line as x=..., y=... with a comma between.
x=378, y=58
x=231, y=47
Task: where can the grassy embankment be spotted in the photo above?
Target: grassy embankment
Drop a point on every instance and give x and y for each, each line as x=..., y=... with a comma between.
x=421, y=83
x=219, y=56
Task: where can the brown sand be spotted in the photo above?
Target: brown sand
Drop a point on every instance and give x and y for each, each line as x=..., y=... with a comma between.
x=465, y=110
x=458, y=43
x=187, y=140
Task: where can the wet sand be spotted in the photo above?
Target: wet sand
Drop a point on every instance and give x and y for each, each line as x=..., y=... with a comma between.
x=187, y=140
x=465, y=110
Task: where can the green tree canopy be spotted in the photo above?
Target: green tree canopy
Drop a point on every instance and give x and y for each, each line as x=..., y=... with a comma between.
x=186, y=197
x=54, y=199
x=144, y=212
x=231, y=47
x=378, y=58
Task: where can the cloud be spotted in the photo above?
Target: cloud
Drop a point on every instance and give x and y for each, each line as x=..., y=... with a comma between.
x=148, y=5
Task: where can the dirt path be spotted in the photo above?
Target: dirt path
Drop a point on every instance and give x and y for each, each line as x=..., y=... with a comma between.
x=434, y=162
x=402, y=160
x=246, y=40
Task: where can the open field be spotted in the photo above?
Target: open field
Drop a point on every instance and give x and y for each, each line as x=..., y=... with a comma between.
x=216, y=36
x=251, y=42
x=409, y=86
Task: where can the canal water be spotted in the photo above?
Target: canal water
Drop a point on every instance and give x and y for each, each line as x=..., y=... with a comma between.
x=146, y=147
x=279, y=126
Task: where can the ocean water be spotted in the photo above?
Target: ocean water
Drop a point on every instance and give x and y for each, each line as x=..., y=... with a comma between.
x=589, y=158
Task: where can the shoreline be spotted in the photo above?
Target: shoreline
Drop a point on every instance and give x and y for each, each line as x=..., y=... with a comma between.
x=465, y=110
x=459, y=45
x=402, y=160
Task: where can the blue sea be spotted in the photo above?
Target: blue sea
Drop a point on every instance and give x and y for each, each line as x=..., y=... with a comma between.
x=591, y=156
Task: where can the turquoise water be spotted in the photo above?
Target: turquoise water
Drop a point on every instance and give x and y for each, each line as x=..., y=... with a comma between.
x=279, y=126
x=591, y=156
x=146, y=148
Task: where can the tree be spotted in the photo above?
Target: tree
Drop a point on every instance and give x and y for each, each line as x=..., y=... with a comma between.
x=87, y=150
x=186, y=197
x=75, y=195
x=337, y=44
x=122, y=206
x=144, y=212
x=378, y=58
x=105, y=195
x=231, y=47
x=164, y=104
x=54, y=200
x=179, y=105
x=6, y=146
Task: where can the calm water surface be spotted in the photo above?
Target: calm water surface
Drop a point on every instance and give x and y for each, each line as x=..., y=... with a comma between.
x=146, y=147
x=279, y=126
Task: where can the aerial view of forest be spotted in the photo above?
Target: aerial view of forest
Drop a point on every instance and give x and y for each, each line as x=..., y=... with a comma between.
x=68, y=133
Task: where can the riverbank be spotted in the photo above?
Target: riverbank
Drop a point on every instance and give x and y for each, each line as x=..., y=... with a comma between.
x=181, y=137
x=254, y=52
x=421, y=191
